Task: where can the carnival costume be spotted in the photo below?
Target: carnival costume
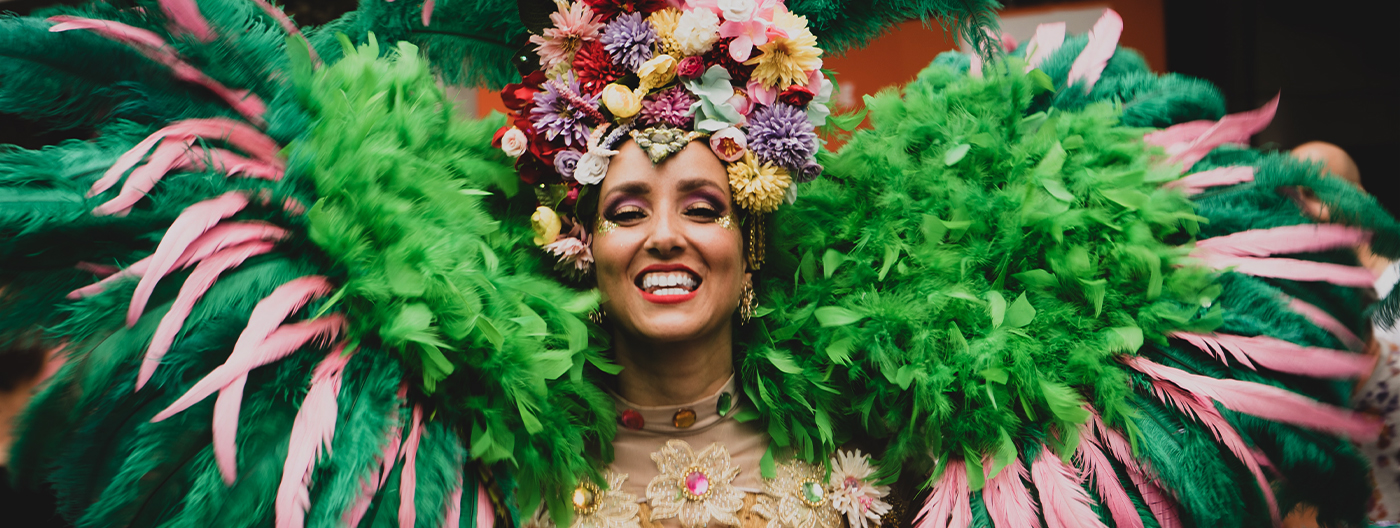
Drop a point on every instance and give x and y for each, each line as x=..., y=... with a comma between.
x=1005, y=291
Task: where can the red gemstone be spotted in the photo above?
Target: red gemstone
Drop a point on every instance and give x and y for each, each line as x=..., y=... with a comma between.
x=697, y=483
x=632, y=420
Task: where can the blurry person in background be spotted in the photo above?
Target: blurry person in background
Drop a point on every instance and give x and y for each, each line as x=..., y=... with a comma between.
x=1377, y=394
x=25, y=362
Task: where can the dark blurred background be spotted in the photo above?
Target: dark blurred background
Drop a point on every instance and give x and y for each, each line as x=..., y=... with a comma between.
x=1335, y=63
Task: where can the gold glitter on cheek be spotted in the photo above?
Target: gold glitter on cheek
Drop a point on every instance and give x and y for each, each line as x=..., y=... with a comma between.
x=727, y=222
x=605, y=226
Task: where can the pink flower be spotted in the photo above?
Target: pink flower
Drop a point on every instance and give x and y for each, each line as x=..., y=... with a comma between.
x=691, y=67
x=571, y=29
x=752, y=32
x=729, y=144
x=760, y=94
x=514, y=142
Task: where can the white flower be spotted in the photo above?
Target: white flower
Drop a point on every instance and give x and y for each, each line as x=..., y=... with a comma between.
x=737, y=10
x=514, y=142
x=852, y=492
x=591, y=168
x=696, y=31
x=575, y=257
x=817, y=110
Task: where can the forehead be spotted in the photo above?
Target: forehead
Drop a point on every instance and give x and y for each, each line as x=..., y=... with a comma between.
x=631, y=166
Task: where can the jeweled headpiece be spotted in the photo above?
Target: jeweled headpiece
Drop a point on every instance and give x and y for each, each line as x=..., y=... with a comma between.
x=744, y=73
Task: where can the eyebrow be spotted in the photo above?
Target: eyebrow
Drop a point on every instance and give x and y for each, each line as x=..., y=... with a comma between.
x=641, y=188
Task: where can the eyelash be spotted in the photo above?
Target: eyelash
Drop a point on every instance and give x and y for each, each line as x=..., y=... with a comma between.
x=631, y=213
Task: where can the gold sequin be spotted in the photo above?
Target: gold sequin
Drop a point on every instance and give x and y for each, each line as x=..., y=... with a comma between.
x=605, y=226
x=727, y=222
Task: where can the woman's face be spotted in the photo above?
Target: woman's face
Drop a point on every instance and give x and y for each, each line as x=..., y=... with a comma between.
x=670, y=270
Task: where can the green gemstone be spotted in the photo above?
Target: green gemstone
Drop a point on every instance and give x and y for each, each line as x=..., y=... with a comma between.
x=813, y=492
x=726, y=401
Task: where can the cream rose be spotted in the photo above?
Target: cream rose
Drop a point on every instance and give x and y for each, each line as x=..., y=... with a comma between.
x=591, y=168
x=737, y=10
x=696, y=31
x=514, y=143
x=621, y=101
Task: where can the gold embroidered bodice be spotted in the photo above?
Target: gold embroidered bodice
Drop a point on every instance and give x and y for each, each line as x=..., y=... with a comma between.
x=697, y=466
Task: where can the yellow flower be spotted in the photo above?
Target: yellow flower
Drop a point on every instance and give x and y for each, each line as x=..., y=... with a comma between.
x=621, y=101
x=757, y=187
x=664, y=23
x=785, y=61
x=656, y=72
x=546, y=225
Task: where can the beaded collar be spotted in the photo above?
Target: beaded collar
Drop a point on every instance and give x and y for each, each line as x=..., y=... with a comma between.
x=679, y=420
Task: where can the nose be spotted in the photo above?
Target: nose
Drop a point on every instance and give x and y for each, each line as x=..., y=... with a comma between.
x=666, y=240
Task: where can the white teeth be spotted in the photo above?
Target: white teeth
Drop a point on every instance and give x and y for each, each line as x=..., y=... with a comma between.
x=674, y=280
x=670, y=291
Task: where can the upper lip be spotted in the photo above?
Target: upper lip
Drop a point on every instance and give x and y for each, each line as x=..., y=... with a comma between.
x=664, y=268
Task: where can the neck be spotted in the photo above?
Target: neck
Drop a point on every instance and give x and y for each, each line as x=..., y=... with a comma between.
x=657, y=374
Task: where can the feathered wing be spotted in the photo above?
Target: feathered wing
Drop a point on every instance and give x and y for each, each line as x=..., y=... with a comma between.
x=223, y=243
x=1053, y=282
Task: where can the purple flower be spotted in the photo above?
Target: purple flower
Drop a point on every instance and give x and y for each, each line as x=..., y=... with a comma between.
x=628, y=39
x=555, y=115
x=670, y=107
x=807, y=173
x=781, y=134
x=565, y=161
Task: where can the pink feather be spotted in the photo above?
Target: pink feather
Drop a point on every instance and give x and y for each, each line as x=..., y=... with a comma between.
x=100, y=270
x=199, y=282
x=1105, y=480
x=1141, y=475
x=385, y=463
x=1205, y=413
x=1103, y=43
x=194, y=221
x=312, y=431
x=1303, y=238
x=1282, y=356
x=453, y=518
x=1219, y=177
x=1045, y=42
x=144, y=178
x=1009, y=503
x=1292, y=269
x=153, y=47
x=239, y=135
x=135, y=270
x=428, y=12
x=230, y=164
x=1326, y=322
x=279, y=344
x=408, y=479
x=1187, y=143
x=1265, y=401
x=1065, y=503
x=949, y=498
x=225, y=427
x=485, y=509
x=185, y=16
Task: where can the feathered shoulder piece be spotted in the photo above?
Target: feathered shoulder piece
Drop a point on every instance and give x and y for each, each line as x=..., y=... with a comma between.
x=1047, y=316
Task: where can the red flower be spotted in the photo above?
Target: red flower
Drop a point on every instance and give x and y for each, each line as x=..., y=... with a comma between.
x=595, y=68
x=719, y=55
x=797, y=96
x=517, y=96
x=691, y=68
x=608, y=9
x=533, y=171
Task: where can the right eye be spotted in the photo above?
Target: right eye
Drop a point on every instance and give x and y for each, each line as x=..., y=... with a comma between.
x=627, y=214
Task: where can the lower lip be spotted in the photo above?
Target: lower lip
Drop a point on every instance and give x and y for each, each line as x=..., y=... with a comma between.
x=667, y=299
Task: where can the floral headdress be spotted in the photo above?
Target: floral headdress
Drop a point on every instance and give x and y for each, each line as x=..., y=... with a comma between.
x=744, y=73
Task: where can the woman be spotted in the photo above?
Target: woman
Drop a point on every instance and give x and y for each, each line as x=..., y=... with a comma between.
x=990, y=291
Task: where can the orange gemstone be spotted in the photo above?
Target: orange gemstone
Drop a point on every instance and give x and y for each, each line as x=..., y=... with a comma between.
x=684, y=418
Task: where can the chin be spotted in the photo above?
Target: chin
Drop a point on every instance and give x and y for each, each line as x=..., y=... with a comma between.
x=672, y=325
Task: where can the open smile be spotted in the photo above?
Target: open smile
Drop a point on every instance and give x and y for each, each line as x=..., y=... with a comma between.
x=668, y=283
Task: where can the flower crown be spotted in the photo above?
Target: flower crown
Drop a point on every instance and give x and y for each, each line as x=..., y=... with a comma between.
x=744, y=73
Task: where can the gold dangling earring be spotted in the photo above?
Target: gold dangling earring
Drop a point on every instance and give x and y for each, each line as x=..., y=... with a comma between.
x=596, y=315
x=746, y=302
